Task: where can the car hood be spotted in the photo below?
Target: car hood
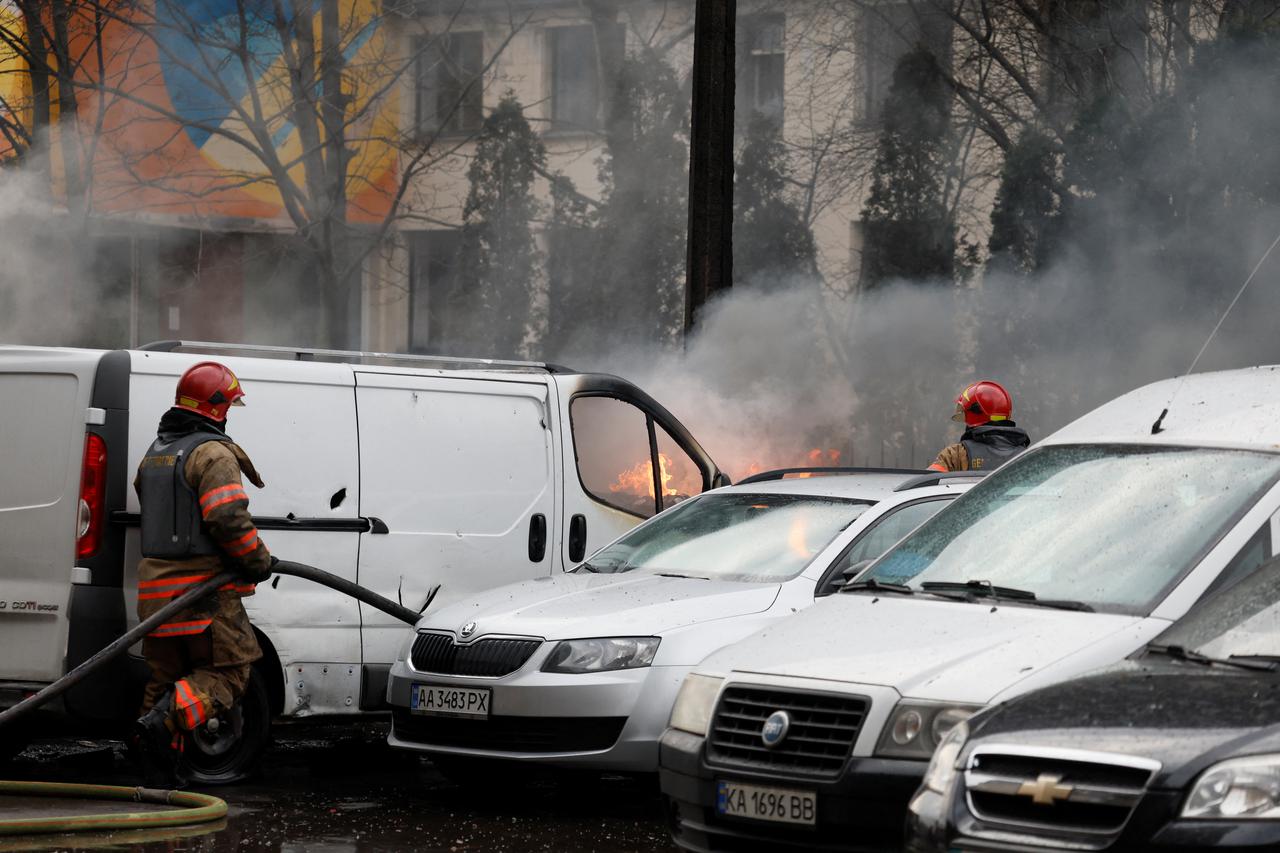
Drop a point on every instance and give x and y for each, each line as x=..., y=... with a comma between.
x=1185, y=716
x=925, y=649
x=583, y=604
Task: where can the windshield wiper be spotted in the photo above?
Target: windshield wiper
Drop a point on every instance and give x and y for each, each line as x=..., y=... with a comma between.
x=1191, y=656
x=877, y=586
x=985, y=589
x=678, y=575
x=982, y=589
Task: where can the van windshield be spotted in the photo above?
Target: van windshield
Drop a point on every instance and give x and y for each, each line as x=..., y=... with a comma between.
x=1111, y=526
x=737, y=537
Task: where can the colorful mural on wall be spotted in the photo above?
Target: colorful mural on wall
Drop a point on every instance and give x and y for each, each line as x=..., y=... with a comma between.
x=185, y=88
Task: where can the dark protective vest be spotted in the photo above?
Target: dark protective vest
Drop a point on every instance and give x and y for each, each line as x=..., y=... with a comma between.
x=172, y=526
x=990, y=446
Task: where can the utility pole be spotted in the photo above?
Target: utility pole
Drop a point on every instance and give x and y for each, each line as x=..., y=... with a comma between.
x=709, y=268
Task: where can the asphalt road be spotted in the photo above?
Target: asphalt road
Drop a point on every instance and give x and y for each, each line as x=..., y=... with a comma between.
x=339, y=788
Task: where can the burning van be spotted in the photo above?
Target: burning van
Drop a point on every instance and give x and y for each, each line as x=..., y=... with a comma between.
x=440, y=478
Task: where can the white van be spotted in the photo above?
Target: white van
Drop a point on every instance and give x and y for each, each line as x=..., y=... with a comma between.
x=405, y=474
x=815, y=732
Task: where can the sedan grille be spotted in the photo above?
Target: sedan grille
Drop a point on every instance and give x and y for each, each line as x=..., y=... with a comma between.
x=510, y=734
x=1057, y=793
x=822, y=729
x=492, y=657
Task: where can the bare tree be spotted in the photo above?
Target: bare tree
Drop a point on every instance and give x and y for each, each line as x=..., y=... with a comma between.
x=300, y=95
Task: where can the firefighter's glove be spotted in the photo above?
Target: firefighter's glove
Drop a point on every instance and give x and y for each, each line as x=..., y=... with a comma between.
x=255, y=575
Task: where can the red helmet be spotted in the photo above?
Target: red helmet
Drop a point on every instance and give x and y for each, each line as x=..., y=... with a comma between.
x=209, y=389
x=983, y=402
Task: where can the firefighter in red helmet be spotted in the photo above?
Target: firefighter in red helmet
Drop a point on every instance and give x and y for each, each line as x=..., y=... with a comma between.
x=195, y=524
x=990, y=438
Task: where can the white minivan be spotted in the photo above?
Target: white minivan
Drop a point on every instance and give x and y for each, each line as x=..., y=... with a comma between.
x=814, y=732
x=413, y=476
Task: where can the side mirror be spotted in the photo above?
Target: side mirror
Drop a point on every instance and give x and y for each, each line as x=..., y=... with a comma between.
x=856, y=569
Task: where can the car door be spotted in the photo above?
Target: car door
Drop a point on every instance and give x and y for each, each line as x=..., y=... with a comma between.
x=625, y=459
x=458, y=473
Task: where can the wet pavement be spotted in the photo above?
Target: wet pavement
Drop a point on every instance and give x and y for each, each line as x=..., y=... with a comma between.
x=338, y=788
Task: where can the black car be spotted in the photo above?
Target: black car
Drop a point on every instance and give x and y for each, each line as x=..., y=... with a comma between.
x=1176, y=749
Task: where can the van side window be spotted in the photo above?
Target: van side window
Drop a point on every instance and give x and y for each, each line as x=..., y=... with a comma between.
x=681, y=476
x=880, y=537
x=1252, y=555
x=611, y=439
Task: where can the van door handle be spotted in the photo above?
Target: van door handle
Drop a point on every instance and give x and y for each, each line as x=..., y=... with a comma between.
x=577, y=538
x=537, y=538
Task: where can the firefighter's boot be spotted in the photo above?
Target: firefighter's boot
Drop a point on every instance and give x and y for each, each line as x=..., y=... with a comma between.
x=156, y=746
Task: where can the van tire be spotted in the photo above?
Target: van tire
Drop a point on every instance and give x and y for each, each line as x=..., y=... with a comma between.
x=242, y=759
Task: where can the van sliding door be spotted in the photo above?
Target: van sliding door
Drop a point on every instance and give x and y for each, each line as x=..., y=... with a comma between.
x=460, y=472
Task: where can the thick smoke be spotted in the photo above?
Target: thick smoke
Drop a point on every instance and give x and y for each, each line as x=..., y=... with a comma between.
x=770, y=377
x=46, y=295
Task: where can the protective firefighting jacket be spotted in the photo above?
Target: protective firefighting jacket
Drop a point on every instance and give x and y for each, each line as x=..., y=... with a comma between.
x=983, y=448
x=209, y=487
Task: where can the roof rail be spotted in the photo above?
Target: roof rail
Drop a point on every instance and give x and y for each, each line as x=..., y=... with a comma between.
x=937, y=478
x=767, y=476
x=311, y=354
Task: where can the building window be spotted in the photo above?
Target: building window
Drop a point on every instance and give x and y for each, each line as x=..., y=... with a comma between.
x=449, y=94
x=574, y=76
x=761, y=67
x=435, y=298
x=890, y=30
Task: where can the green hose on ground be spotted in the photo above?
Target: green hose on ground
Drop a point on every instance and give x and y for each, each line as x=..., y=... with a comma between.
x=190, y=808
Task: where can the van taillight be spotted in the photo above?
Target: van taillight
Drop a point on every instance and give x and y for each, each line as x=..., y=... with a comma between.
x=93, y=496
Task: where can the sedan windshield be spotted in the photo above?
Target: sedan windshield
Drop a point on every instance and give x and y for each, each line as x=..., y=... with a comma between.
x=1240, y=621
x=1110, y=526
x=738, y=537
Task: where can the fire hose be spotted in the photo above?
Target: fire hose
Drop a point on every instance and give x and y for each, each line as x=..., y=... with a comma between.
x=146, y=626
x=184, y=808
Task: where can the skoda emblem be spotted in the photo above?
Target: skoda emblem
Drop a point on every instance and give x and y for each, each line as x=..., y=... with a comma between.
x=775, y=728
x=468, y=629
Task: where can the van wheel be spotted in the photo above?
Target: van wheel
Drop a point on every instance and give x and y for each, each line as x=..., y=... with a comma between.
x=221, y=758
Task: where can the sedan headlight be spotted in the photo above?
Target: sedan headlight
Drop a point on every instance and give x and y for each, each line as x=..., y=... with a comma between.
x=602, y=654
x=916, y=729
x=694, y=703
x=1239, y=789
x=942, y=767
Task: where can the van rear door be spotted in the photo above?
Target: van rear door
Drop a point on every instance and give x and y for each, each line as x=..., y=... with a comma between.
x=460, y=471
x=42, y=426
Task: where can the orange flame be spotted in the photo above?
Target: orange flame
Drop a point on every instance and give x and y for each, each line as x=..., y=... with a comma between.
x=818, y=457
x=638, y=479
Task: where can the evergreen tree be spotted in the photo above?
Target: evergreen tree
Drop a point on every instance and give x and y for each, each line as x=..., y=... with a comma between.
x=500, y=261
x=772, y=244
x=644, y=218
x=907, y=229
x=1026, y=206
x=619, y=265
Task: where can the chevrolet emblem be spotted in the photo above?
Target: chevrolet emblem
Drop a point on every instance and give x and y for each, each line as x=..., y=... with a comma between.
x=1046, y=790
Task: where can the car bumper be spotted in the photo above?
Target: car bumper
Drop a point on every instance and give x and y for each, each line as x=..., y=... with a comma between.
x=936, y=825
x=862, y=809
x=605, y=721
